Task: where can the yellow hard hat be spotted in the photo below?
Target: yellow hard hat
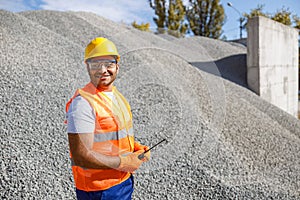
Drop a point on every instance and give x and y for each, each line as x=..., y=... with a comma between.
x=101, y=47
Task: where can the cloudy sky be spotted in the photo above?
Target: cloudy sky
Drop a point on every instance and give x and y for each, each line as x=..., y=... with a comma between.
x=116, y=10
x=128, y=11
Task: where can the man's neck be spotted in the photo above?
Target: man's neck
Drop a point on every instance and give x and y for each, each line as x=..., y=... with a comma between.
x=104, y=88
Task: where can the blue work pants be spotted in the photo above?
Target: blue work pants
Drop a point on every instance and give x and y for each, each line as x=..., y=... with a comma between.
x=122, y=191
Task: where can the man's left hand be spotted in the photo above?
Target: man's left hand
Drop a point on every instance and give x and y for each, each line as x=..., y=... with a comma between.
x=138, y=146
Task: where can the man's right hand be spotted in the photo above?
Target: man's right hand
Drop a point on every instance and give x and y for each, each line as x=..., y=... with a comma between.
x=130, y=162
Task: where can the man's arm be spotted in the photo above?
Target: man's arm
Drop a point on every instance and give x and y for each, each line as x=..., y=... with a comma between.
x=83, y=155
x=81, y=140
x=81, y=122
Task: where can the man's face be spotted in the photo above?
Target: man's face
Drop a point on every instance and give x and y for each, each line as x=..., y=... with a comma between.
x=103, y=71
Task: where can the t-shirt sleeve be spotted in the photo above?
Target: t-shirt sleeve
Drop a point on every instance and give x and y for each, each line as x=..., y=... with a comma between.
x=80, y=116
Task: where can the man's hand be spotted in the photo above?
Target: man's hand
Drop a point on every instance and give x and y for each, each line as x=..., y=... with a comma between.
x=138, y=147
x=130, y=162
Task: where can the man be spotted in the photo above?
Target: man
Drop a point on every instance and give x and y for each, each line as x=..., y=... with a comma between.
x=103, y=151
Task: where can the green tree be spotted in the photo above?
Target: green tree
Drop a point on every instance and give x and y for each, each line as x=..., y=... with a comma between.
x=206, y=17
x=256, y=12
x=283, y=16
x=176, y=17
x=159, y=7
x=142, y=26
x=296, y=22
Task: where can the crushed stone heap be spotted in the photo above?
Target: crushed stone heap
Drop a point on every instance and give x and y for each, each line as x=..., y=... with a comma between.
x=224, y=142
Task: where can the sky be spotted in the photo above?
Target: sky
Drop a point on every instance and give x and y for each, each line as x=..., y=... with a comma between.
x=127, y=11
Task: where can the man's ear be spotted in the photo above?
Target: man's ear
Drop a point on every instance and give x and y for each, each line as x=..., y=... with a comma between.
x=118, y=68
x=87, y=66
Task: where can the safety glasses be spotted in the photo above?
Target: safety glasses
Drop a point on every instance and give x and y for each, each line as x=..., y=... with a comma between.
x=97, y=64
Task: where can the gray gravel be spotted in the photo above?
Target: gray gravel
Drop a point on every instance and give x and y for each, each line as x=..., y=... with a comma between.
x=224, y=142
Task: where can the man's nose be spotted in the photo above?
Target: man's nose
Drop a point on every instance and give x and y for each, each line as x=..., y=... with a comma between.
x=102, y=68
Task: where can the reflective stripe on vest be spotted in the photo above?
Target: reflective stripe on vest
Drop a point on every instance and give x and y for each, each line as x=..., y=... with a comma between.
x=115, y=135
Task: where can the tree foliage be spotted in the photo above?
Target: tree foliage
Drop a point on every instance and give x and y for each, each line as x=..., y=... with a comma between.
x=176, y=17
x=256, y=12
x=142, y=26
x=159, y=7
x=203, y=17
x=206, y=17
x=283, y=16
x=296, y=21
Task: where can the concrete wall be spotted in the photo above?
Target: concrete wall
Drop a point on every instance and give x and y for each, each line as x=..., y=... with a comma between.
x=272, y=62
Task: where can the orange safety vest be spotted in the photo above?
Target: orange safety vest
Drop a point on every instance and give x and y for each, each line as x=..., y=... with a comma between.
x=113, y=135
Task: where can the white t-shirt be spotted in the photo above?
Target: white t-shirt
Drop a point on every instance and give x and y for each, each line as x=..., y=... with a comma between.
x=81, y=116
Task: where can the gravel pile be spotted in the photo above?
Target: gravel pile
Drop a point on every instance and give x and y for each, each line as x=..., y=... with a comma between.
x=224, y=142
